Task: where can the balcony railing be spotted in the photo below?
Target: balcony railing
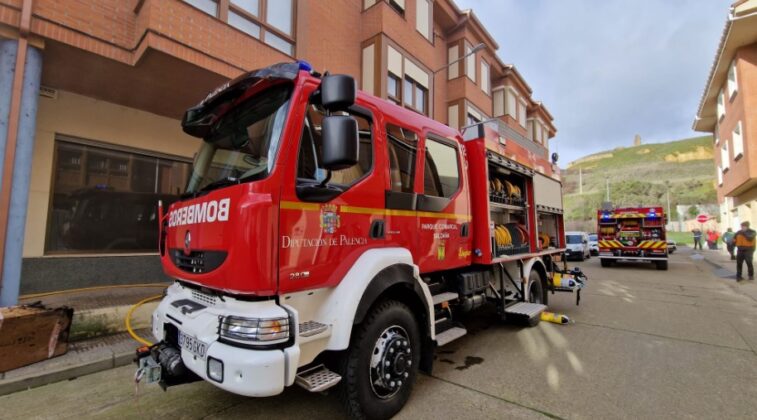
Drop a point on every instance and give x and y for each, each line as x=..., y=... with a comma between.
x=506, y=132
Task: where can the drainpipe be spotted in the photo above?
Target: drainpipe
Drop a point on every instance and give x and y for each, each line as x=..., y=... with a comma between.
x=20, y=126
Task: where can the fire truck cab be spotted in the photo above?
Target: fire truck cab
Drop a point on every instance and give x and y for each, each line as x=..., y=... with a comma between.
x=329, y=237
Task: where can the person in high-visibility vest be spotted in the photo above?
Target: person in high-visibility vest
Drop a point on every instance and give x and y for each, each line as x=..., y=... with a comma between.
x=744, y=241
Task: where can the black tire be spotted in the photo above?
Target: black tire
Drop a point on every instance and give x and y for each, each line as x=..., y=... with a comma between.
x=605, y=262
x=373, y=344
x=662, y=265
x=537, y=293
x=581, y=257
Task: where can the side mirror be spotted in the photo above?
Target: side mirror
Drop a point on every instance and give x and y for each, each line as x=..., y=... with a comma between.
x=340, y=142
x=338, y=92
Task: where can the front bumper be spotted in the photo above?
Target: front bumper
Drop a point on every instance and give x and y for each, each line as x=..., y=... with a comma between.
x=252, y=372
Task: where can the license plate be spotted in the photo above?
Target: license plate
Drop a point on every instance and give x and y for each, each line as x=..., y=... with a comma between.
x=192, y=345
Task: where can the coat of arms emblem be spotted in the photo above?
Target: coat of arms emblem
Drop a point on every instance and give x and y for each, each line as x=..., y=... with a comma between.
x=329, y=218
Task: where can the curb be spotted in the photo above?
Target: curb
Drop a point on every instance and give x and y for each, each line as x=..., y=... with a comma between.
x=10, y=386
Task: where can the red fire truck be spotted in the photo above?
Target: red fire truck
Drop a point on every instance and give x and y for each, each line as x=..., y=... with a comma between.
x=632, y=234
x=329, y=237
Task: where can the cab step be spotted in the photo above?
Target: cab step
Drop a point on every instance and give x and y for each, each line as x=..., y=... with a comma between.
x=444, y=297
x=310, y=328
x=317, y=379
x=525, y=312
x=450, y=335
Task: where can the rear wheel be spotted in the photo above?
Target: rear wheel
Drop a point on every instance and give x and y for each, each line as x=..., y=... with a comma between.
x=661, y=265
x=382, y=363
x=605, y=262
x=537, y=293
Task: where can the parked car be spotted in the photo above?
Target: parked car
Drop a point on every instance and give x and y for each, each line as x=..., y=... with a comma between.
x=593, y=244
x=671, y=246
x=577, y=245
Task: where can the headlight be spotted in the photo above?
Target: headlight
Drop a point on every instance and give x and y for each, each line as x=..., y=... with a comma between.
x=254, y=330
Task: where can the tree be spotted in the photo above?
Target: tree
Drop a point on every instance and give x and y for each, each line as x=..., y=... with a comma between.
x=693, y=211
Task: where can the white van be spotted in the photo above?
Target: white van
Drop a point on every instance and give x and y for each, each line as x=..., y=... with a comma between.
x=577, y=245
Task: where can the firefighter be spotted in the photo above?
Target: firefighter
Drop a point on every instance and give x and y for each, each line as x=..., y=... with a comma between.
x=744, y=241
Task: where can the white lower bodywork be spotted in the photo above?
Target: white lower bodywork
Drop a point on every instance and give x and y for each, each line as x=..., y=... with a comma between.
x=262, y=373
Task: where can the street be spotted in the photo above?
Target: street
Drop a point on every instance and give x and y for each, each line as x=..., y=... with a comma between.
x=644, y=344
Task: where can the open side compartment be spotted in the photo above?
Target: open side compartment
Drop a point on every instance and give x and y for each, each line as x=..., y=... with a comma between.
x=549, y=230
x=508, y=211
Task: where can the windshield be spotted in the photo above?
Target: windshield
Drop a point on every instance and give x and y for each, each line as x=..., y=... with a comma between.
x=593, y=237
x=242, y=145
x=574, y=239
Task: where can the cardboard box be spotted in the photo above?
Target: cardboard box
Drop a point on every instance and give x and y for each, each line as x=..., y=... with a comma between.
x=29, y=334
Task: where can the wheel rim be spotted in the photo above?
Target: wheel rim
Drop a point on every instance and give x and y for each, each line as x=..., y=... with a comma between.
x=391, y=361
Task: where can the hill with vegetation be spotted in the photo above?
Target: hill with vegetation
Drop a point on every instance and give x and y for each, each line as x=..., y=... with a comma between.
x=641, y=175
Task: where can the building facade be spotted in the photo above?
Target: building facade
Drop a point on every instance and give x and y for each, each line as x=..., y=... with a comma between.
x=116, y=76
x=728, y=110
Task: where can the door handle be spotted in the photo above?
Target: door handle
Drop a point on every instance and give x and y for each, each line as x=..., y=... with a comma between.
x=377, y=229
x=465, y=230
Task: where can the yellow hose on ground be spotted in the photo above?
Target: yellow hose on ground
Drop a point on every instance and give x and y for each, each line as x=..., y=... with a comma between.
x=128, y=319
x=87, y=289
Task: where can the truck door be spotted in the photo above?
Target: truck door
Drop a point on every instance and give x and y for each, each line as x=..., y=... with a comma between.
x=444, y=234
x=325, y=224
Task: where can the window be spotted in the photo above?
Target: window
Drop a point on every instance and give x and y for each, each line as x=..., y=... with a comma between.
x=275, y=28
x=398, y=6
x=511, y=104
x=721, y=106
x=472, y=119
x=738, y=142
x=393, y=88
x=414, y=95
x=441, y=176
x=244, y=24
x=208, y=6
x=724, y=158
x=522, y=113
x=105, y=199
x=423, y=17
x=720, y=175
x=732, y=81
x=309, y=162
x=470, y=63
x=485, y=77
x=403, y=145
x=452, y=57
x=243, y=144
x=250, y=6
x=499, y=102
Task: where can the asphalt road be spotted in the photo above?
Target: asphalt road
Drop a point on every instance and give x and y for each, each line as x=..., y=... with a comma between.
x=644, y=344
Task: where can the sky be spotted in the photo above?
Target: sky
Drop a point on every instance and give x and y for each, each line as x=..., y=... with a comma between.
x=609, y=69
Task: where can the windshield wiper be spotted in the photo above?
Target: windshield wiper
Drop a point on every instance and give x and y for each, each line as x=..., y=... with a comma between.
x=229, y=180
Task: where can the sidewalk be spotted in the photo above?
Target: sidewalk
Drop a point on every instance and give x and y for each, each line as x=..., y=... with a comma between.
x=98, y=340
x=725, y=268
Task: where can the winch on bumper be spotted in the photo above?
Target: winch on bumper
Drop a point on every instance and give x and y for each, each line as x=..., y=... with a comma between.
x=244, y=347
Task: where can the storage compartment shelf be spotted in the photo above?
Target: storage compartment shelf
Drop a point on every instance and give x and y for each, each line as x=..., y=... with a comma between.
x=504, y=206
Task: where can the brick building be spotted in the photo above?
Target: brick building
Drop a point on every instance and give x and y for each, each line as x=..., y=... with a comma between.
x=728, y=110
x=115, y=77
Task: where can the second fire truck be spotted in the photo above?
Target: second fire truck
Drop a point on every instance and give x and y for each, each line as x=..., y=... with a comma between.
x=632, y=234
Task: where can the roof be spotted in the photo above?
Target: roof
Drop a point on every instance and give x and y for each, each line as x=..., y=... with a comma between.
x=740, y=30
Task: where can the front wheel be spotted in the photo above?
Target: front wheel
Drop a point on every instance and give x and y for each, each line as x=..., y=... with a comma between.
x=382, y=362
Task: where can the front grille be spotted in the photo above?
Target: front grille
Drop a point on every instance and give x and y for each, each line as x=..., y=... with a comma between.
x=197, y=262
x=204, y=297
